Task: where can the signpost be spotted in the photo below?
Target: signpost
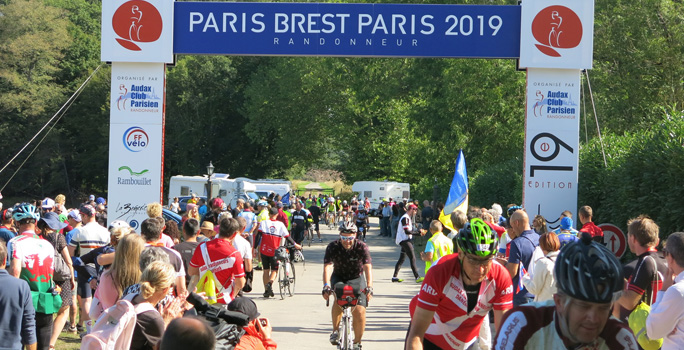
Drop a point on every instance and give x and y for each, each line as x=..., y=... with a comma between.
x=553, y=40
x=614, y=239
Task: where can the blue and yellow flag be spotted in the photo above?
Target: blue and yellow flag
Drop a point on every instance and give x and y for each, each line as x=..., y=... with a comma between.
x=458, y=193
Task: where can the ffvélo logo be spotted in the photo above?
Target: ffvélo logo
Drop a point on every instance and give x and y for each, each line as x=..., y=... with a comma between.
x=135, y=139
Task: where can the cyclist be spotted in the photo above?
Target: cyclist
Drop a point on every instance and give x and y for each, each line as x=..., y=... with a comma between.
x=316, y=217
x=330, y=211
x=345, y=260
x=361, y=220
x=272, y=234
x=459, y=291
x=300, y=223
x=589, y=279
x=344, y=211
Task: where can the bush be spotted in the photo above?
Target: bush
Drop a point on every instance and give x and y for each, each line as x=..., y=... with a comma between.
x=643, y=176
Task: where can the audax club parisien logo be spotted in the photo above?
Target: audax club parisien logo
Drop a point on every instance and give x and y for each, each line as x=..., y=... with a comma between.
x=556, y=27
x=135, y=139
x=140, y=98
x=137, y=21
x=555, y=104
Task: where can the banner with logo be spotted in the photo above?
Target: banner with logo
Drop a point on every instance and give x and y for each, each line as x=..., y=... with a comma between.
x=551, y=143
x=557, y=34
x=135, y=140
x=327, y=29
x=137, y=31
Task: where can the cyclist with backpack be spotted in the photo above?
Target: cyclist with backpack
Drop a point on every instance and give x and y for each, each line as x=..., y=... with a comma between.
x=459, y=291
x=346, y=262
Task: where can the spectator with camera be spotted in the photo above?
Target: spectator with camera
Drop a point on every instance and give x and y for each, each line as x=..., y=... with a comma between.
x=258, y=330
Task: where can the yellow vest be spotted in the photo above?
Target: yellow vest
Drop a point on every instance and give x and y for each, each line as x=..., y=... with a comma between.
x=262, y=216
x=443, y=246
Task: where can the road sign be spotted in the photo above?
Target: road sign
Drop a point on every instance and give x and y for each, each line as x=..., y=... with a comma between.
x=614, y=239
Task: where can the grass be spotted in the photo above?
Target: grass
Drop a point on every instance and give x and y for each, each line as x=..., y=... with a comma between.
x=68, y=341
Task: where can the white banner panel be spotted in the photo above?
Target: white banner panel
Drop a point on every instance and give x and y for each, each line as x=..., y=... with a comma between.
x=137, y=31
x=551, y=143
x=557, y=34
x=137, y=95
x=135, y=140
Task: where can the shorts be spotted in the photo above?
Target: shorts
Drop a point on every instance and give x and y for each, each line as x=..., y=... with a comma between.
x=83, y=289
x=269, y=262
x=316, y=226
x=358, y=283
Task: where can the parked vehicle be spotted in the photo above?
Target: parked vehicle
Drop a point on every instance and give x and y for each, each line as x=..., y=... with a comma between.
x=376, y=191
x=264, y=187
x=230, y=190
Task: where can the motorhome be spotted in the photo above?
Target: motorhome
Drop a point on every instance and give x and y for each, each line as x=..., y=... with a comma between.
x=230, y=190
x=264, y=187
x=376, y=191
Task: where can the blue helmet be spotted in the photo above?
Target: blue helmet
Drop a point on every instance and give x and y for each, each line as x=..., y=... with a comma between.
x=25, y=211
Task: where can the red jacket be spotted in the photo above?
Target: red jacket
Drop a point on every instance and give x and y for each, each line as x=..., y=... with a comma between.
x=253, y=340
x=595, y=231
x=282, y=217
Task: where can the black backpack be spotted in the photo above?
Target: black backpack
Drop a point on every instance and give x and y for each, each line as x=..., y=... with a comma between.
x=225, y=324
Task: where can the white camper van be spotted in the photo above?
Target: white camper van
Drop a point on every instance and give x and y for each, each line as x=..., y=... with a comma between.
x=264, y=187
x=376, y=191
x=230, y=190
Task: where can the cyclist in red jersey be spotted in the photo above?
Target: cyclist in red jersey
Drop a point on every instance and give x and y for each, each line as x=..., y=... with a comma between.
x=459, y=292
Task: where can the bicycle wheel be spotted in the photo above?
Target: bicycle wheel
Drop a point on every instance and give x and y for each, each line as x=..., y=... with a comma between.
x=282, y=279
x=291, y=280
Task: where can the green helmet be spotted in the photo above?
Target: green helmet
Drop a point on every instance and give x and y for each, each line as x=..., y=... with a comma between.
x=476, y=237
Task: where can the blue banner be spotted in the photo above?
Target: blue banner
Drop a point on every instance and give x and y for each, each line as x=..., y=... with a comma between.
x=358, y=30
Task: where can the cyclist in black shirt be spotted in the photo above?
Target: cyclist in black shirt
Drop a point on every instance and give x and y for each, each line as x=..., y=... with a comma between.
x=316, y=216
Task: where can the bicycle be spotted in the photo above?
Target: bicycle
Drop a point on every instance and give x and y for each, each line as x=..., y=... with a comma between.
x=286, y=272
x=330, y=218
x=347, y=301
x=310, y=234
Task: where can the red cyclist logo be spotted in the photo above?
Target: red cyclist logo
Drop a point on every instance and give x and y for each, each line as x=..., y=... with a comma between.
x=137, y=21
x=556, y=27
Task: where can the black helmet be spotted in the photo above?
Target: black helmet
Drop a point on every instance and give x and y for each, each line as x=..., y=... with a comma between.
x=477, y=238
x=588, y=271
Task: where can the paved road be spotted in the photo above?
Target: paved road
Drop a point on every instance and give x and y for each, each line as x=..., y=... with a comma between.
x=303, y=322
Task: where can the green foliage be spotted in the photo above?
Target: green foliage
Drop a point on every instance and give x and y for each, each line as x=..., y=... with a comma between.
x=643, y=175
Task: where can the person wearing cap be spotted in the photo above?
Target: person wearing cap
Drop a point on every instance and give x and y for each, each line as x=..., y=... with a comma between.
x=404, y=240
x=7, y=230
x=282, y=217
x=193, y=199
x=258, y=331
x=206, y=232
x=589, y=280
x=50, y=225
x=90, y=236
x=31, y=260
x=74, y=221
x=566, y=234
x=47, y=205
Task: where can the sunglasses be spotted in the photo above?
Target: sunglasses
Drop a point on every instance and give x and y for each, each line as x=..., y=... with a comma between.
x=347, y=238
x=479, y=262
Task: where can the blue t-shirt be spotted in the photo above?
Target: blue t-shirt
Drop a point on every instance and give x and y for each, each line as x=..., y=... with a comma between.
x=566, y=237
x=250, y=217
x=430, y=247
x=70, y=235
x=521, y=253
x=6, y=234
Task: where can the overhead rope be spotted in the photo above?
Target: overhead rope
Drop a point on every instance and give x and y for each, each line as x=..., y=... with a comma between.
x=598, y=129
x=59, y=114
